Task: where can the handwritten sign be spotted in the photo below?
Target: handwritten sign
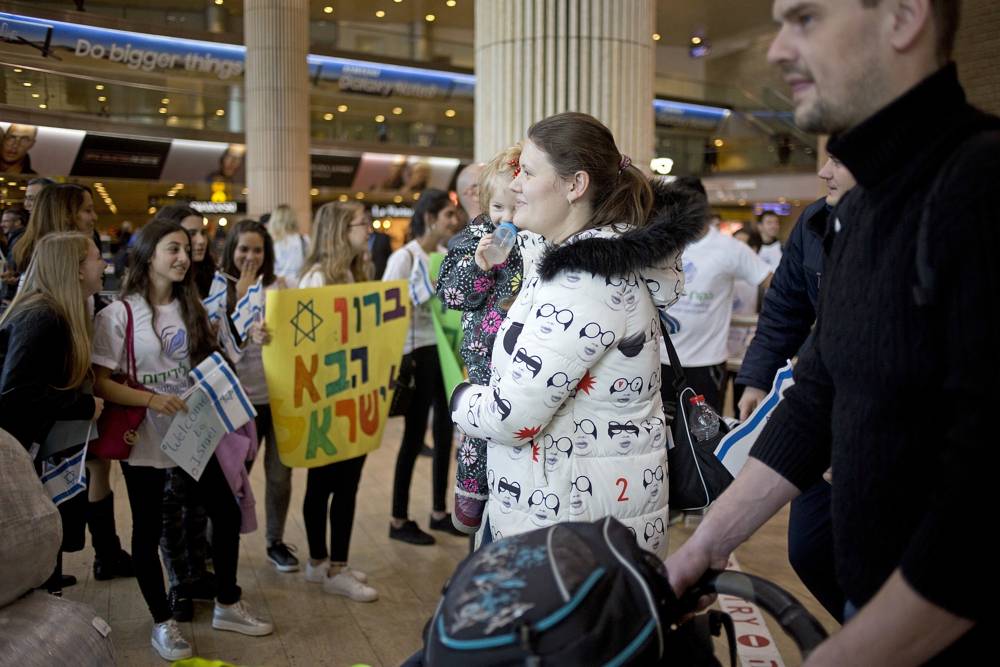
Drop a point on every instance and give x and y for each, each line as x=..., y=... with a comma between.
x=193, y=435
x=331, y=367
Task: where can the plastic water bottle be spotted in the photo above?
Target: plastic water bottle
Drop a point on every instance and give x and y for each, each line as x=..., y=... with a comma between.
x=703, y=423
x=504, y=237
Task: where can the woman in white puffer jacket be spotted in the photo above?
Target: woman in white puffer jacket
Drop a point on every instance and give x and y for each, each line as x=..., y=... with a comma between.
x=573, y=417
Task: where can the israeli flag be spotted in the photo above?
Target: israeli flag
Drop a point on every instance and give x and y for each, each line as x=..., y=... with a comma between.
x=249, y=309
x=215, y=302
x=734, y=448
x=218, y=381
x=64, y=480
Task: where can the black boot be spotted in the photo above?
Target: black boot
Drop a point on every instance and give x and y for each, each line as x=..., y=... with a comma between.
x=110, y=560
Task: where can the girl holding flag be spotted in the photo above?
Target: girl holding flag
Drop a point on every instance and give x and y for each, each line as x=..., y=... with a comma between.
x=170, y=334
x=37, y=385
x=249, y=254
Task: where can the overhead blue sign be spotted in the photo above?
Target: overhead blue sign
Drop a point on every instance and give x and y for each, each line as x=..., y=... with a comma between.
x=147, y=53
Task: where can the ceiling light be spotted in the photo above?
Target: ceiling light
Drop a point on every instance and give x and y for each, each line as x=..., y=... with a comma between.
x=27, y=84
x=342, y=108
x=359, y=195
x=377, y=224
x=379, y=14
x=416, y=196
x=18, y=70
x=380, y=118
x=204, y=221
x=220, y=112
x=387, y=224
x=398, y=199
x=451, y=3
x=314, y=192
x=36, y=95
x=151, y=210
x=102, y=98
x=328, y=116
x=219, y=2
x=328, y=9
x=656, y=36
x=397, y=110
x=165, y=100
x=342, y=197
x=99, y=86
x=696, y=40
x=163, y=110
x=43, y=106
x=223, y=222
x=430, y=18
x=719, y=143
x=450, y=113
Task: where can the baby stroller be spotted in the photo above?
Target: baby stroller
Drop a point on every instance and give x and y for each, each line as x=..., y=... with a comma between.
x=587, y=594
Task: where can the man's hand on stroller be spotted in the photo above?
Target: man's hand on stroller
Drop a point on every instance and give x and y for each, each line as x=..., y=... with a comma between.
x=756, y=494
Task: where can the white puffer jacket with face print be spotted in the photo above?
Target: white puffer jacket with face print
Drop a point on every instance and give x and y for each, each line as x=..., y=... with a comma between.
x=572, y=417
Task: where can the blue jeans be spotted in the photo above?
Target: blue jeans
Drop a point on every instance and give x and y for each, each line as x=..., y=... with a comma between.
x=810, y=547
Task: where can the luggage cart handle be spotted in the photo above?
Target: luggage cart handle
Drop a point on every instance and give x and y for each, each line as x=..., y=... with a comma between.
x=794, y=619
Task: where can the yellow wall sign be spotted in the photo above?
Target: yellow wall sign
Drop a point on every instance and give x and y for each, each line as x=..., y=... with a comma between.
x=331, y=367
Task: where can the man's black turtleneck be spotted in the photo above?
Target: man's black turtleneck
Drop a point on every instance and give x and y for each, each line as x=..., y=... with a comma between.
x=899, y=397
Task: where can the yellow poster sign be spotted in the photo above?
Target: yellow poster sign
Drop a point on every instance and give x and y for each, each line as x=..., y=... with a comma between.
x=331, y=367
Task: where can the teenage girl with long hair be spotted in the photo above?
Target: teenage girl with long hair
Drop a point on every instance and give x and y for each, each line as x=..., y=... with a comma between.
x=171, y=335
x=184, y=544
x=202, y=262
x=435, y=220
x=45, y=350
x=63, y=207
x=249, y=254
x=290, y=247
x=337, y=256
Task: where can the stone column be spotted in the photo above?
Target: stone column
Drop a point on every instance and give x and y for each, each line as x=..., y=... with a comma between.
x=277, y=106
x=535, y=58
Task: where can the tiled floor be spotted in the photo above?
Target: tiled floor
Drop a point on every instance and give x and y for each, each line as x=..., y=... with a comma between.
x=313, y=628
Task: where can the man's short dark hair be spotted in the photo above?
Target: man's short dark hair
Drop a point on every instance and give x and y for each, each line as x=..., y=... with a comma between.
x=760, y=218
x=946, y=17
x=18, y=210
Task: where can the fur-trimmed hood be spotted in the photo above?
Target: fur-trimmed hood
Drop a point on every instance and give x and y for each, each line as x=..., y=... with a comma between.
x=678, y=218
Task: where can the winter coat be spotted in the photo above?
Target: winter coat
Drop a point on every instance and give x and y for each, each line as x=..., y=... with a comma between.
x=572, y=415
x=790, y=303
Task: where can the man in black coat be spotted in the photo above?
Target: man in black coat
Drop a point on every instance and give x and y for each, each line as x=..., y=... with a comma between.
x=783, y=327
x=892, y=392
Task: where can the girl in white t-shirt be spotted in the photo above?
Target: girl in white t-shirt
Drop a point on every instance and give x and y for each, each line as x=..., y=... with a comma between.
x=290, y=247
x=249, y=254
x=171, y=334
x=338, y=255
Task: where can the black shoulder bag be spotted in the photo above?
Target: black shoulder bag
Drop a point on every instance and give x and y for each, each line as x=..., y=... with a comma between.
x=697, y=477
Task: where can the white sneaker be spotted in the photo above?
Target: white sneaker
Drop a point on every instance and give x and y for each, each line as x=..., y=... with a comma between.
x=344, y=584
x=357, y=574
x=169, y=642
x=237, y=618
x=316, y=574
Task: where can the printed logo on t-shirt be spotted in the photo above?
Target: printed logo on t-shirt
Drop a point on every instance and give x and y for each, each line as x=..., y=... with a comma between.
x=160, y=380
x=690, y=271
x=174, y=342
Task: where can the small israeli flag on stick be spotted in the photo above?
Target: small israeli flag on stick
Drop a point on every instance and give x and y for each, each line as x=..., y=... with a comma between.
x=218, y=381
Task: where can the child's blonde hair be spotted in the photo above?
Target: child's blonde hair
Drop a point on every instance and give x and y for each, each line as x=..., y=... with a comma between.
x=505, y=163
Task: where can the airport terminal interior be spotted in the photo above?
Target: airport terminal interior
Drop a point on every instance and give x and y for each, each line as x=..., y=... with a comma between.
x=260, y=110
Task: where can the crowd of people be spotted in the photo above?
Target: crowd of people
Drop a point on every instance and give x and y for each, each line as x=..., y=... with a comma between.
x=569, y=384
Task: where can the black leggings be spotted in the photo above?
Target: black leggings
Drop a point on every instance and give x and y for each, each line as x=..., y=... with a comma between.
x=429, y=391
x=341, y=480
x=145, y=498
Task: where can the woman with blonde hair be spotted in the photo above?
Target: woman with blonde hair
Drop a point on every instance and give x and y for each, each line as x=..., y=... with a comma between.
x=63, y=207
x=290, y=247
x=45, y=351
x=338, y=255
